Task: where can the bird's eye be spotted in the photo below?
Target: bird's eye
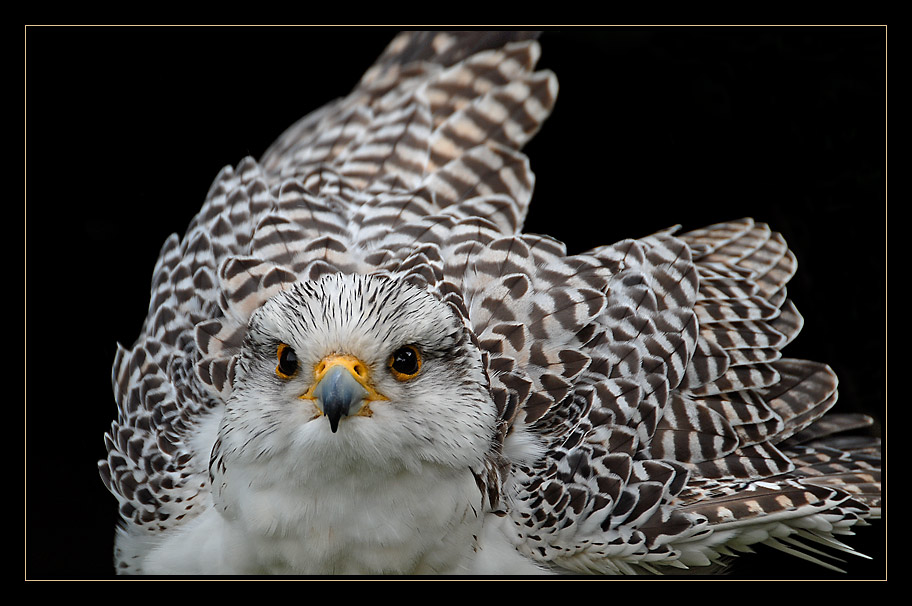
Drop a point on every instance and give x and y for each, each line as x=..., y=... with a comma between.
x=405, y=363
x=288, y=361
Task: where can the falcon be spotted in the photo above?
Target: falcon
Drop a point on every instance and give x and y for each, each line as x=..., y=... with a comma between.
x=356, y=362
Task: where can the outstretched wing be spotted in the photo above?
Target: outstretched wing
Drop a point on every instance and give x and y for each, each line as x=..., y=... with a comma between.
x=672, y=425
x=429, y=136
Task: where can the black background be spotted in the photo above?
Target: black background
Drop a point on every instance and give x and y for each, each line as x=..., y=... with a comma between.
x=127, y=127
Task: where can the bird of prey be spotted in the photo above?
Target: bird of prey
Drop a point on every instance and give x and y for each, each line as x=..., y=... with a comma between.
x=356, y=362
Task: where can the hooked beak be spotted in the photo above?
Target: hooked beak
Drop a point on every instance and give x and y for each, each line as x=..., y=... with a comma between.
x=341, y=388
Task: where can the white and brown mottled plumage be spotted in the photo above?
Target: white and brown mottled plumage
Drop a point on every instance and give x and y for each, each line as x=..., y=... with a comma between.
x=622, y=410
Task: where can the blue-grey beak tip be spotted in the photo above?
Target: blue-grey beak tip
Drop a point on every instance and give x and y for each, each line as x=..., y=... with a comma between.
x=339, y=394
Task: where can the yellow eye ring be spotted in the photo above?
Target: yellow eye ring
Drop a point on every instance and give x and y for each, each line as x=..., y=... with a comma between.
x=288, y=362
x=405, y=363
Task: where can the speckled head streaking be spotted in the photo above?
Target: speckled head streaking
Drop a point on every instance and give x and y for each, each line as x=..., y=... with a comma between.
x=443, y=414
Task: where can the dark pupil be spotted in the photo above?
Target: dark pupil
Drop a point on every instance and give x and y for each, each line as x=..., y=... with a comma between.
x=405, y=360
x=288, y=361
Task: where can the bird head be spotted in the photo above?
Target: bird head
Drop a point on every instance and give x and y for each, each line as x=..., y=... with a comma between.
x=359, y=370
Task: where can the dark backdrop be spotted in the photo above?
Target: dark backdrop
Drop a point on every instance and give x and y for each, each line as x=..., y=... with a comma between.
x=127, y=127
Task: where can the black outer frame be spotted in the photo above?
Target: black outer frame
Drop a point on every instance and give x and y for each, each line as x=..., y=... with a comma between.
x=127, y=127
